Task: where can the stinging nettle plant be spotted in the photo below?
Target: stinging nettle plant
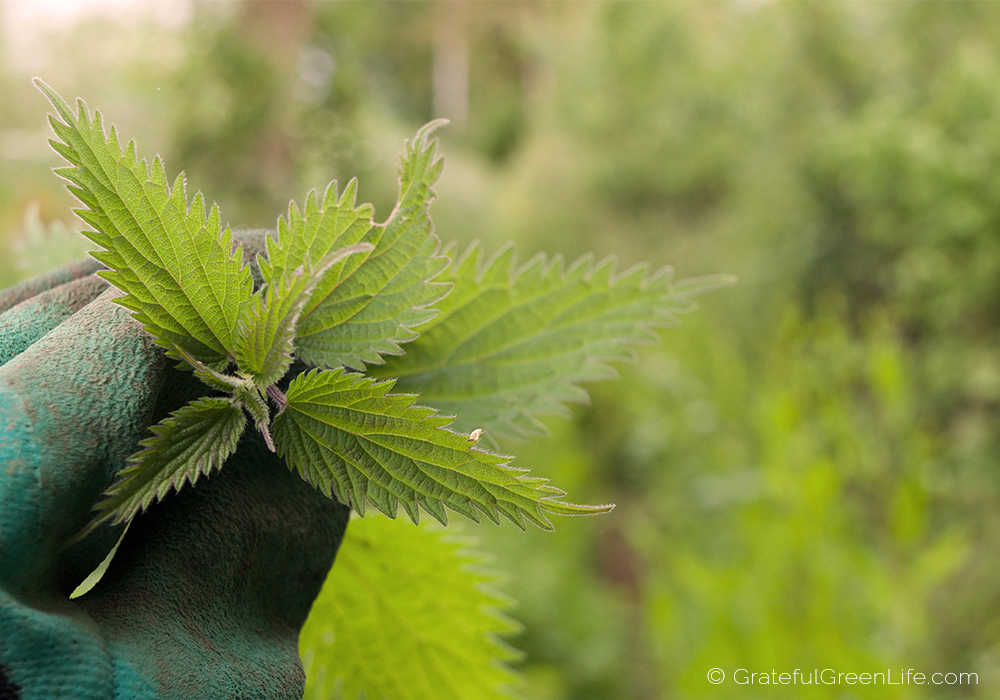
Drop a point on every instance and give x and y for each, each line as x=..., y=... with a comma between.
x=487, y=345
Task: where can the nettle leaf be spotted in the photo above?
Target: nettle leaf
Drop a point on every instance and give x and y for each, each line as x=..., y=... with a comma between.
x=364, y=307
x=406, y=614
x=348, y=437
x=182, y=278
x=267, y=328
x=191, y=441
x=512, y=343
x=268, y=323
x=322, y=228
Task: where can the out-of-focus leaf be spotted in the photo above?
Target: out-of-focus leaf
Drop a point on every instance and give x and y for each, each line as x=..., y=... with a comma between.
x=407, y=614
x=512, y=343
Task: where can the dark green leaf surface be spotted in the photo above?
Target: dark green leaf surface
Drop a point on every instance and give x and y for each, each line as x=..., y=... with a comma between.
x=512, y=343
x=406, y=615
x=191, y=441
x=182, y=279
x=364, y=307
x=351, y=439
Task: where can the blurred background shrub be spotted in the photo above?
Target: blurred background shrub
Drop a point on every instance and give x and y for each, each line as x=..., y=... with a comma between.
x=806, y=470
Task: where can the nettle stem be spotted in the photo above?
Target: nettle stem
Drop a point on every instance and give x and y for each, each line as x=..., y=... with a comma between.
x=278, y=396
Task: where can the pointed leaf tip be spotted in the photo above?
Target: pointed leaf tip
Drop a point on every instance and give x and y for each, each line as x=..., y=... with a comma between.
x=566, y=508
x=57, y=102
x=429, y=128
x=345, y=435
x=694, y=286
x=366, y=309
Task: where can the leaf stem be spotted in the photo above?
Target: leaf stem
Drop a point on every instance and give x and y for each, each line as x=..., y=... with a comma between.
x=278, y=396
x=265, y=431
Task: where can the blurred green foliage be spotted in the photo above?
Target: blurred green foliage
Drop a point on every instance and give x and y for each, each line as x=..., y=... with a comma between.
x=805, y=471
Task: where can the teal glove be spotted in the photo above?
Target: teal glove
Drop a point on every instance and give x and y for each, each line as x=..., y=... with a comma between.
x=209, y=588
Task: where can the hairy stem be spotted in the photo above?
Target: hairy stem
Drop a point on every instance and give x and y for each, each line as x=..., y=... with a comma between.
x=278, y=396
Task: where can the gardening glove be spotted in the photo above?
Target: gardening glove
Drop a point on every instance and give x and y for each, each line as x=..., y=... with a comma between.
x=209, y=588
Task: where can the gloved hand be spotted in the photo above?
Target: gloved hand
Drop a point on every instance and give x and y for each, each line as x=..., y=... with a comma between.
x=209, y=588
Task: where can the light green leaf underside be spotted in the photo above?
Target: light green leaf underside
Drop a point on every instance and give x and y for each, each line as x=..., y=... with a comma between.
x=191, y=441
x=351, y=439
x=182, y=279
x=512, y=343
x=365, y=306
x=406, y=615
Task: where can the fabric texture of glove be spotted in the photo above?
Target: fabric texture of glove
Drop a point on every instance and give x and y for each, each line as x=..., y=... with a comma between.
x=209, y=588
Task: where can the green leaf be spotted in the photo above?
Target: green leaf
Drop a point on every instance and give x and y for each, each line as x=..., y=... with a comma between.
x=312, y=235
x=366, y=306
x=406, y=614
x=183, y=280
x=512, y=343
x=267, y=324
x=347, y=436
x=191, y=441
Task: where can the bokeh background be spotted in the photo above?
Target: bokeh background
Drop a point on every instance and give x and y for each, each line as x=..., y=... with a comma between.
x=806, y=470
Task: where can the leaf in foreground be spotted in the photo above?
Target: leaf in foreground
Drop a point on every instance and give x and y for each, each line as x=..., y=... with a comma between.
x=406, y=615
x=348, y=437
x=191, y=441
x=364, y=307
x=182, y=279
x=512, y=343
